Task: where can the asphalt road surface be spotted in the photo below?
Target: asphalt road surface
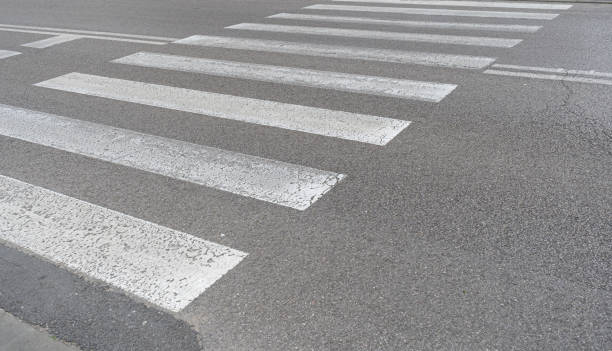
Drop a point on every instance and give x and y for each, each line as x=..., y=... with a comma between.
x=307, y=175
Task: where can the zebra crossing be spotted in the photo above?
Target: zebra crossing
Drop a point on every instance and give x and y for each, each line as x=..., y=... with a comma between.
x=169, y=268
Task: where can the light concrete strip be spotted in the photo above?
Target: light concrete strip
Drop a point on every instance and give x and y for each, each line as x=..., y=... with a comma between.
x=436, y=12
x=45, y=43
x=556, y=70
x=345, y=125
x=453, y=3
x=129, y=40
x=517, y=28
x=16, y=335
x=166, y=267
x=342, y=52
x=259, y=178
x=88, y=32
x=549, y=77
x=373, y=34
x=8, y=53
x=400, y=88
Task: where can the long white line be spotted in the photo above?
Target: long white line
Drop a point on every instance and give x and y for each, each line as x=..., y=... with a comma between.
x=339, y=124
x=372, y=34
x=138, y=41
x=401, y=88
x=45, y=43
x=88, y=32
x=166, y=267
x=555, y=70
x=411, y=24
x=436, y=12
x=264, y=179
x=499, y=4
x=344, y=52
x=8, y=53
x=549, y=77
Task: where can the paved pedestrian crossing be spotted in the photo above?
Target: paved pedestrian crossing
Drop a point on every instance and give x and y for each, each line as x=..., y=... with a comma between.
x=150, y=261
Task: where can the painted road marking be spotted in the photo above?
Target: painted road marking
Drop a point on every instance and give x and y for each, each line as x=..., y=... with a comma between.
x=52, y=33
x=373, y=34
x=343, y=52
x=452, y=3
x=268, y=180
x=345, y=125
x=437, y=12
x=45, y=43
x=549, y=77
x=89, y=32
x=556, y=70
x=8, y=53
x=401, y=88
x=166, y=267
x=411, y=24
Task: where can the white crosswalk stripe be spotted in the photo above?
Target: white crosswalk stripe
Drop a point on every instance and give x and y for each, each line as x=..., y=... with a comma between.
x=400, y=88
x=166, y=267
x=457, y=3
x=373, y=34
x=436, y=12
x=343, y=52
x=555, y=70
x=259, y=178
x=549, y=77
x=410, y=24
x=8, y=53
x=351, y=126
x=45, y=43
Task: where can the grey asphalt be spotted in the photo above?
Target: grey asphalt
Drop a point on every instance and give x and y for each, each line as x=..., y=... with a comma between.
x=484, y=225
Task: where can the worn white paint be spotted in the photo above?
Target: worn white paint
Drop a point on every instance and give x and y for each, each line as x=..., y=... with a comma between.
x=436, y=12
x=343, y=52
x=549, y=77
x=165, y=267
x=45, y=43
x=401, y=88
x=380, y=35
x=129, y=40
x=256, y=177
x=453, y=3
x=81, y=32
x=555, y=70
x=339, y=124
x=8, y=53
x=518, y=28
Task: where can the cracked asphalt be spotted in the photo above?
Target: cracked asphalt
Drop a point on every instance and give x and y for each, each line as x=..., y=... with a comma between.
x=484, y=225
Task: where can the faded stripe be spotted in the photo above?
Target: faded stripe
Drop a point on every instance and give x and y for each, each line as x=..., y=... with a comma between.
x=166, y=267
